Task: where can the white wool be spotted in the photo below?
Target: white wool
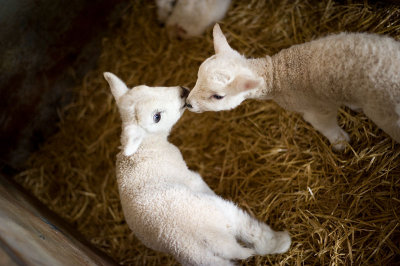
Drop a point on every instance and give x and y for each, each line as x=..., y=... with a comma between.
x=169, y=207
x=358, y=70
x=188, y=18
x=398, y=113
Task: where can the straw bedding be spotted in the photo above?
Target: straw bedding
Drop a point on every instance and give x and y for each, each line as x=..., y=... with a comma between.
x=340, y=208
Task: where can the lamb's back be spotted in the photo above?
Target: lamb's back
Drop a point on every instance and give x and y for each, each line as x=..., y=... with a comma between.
x=158, y=206
x=170, y=217
x=340, y=68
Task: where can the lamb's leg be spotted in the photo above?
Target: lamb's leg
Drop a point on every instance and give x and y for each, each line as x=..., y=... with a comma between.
x=387, y=121
x=203, y=256
x=354, y=107
x=223, y=243
x=257, y=235
x=262, y=237
x=326, y=123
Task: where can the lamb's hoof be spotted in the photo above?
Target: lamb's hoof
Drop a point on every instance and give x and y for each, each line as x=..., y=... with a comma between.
x=283, y=242
x=339, y=146
x=340, y=141
x=355, y=108
x=244, y=253
x=273, y=243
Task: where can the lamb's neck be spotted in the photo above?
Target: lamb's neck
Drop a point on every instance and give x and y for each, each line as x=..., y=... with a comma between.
x=157, y=147
x=154, y=141
x=262, y=67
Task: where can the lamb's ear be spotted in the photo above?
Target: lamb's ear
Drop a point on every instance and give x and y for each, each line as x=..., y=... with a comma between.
x=220, y=43
x=243, y=83
x=131, y=138
x=118, y=87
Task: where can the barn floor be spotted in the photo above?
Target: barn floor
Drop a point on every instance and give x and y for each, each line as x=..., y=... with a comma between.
x=340, y=208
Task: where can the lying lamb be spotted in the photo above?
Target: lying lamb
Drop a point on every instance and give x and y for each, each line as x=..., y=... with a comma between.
x=189, y=18
x=169, y=207
x=359, y=70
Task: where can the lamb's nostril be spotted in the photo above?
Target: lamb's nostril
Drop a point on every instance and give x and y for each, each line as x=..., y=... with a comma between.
x=185, y=92
x=188, y=105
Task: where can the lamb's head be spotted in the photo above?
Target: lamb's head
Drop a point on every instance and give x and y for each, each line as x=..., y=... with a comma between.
x=183, y=19
x=190, y=18
x=224, y=79
x=145, y=110
x=164, y=9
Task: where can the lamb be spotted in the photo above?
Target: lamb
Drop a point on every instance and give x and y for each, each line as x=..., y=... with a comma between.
x=358, y=70
x=190, y=18
x=169, y=207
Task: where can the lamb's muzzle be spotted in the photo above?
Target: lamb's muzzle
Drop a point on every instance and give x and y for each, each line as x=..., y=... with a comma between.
x=185, y=92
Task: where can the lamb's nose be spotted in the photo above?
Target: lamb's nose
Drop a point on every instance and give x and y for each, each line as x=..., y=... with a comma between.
x=185, y=92
x=188, y=105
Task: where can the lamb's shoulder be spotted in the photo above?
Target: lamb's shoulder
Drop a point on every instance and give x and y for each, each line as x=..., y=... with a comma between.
x=153, y=162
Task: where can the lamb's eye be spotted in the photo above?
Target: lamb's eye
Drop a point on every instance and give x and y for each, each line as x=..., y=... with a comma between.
x=157, y=117
x=218, y=97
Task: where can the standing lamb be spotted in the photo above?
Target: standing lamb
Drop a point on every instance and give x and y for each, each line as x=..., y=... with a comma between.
x=189, y=18
x=359, y=70
x=169, y=207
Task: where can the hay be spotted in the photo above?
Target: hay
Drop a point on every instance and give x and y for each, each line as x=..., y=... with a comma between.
x=340, y=208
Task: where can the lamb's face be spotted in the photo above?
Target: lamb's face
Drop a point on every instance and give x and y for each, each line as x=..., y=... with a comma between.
x=187, y=20
x=223, y=81
x=154, y=109
x=145, y=110
x=190, y=18
x=216, y=86
x=164, y=9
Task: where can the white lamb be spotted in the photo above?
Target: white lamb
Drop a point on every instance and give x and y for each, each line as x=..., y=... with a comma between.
x=169, y=207
x=189, y=18
x=358, y=70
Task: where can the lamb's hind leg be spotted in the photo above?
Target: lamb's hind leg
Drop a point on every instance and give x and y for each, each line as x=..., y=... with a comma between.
x=204, y=257
x=263, y=238
x=257, y=235
x=224, y=244
x=218, y=249
x=387, y=121
x=326, y=123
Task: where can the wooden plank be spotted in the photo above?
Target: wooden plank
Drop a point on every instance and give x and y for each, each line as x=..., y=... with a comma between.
x=31, y=235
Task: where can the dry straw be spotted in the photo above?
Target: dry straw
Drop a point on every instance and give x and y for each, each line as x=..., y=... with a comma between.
x=340, y=208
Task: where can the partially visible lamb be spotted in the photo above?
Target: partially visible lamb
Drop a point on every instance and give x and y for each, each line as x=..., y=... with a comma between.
x=358, y=70
x=188, y=18
x=169, y=207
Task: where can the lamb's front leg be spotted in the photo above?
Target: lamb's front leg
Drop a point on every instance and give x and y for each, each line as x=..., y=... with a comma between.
x=326, y=123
